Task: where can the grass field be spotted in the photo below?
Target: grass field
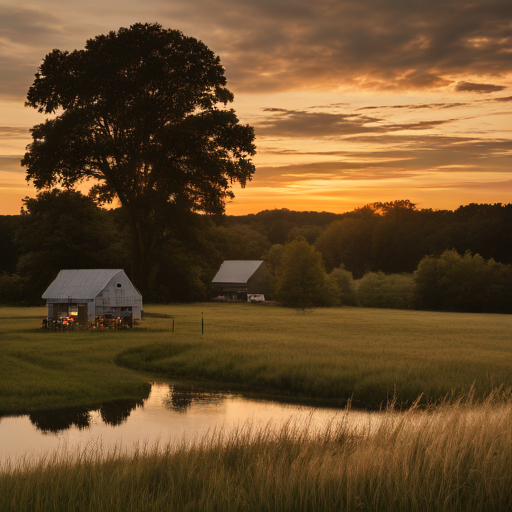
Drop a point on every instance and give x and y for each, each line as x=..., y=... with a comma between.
x=336, y=353
x=456, y=458
x=331, y=354
x=42, y=369
x=451, y=457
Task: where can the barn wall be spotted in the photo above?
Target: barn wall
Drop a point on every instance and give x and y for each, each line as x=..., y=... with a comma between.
x=118, y=293
x=260, y=281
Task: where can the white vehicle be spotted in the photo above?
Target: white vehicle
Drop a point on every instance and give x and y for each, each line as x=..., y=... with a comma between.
x=255, y=297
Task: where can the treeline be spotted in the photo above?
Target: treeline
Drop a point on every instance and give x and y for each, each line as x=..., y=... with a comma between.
x=449, y=282
x=64, y=229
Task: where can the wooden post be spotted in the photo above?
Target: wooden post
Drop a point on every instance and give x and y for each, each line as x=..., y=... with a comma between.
x=173, y=325
x=202, y=323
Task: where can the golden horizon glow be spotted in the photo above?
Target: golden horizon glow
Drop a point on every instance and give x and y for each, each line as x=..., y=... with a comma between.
x=345, y=112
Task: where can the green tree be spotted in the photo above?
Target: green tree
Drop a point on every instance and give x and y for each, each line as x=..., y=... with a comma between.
x=344, y=282
x=464, y=283
x=274, y=258
x=9, y=253
x=348, y=242
x=378, y=290
x=64, y=229
x=139, y=114
x=243, y=243
x=302, y=282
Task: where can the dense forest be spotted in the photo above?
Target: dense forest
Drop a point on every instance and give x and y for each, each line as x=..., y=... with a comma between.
x=379, y=245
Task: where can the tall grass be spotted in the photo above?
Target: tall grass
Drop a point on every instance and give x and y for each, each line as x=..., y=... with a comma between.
x=452, y=458
x=336, y=354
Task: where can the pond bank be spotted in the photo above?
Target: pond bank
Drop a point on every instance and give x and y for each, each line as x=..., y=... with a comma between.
x=168, y=411
x=456, y=458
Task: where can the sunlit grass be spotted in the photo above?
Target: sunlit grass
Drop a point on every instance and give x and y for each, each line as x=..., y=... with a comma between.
x=453, y=458
x=41, y=369
x=368, y=355
x=332, y=354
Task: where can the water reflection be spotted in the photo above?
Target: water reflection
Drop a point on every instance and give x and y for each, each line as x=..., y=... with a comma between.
x=180, y=398
x=117, y=412
x=170, y=411
x=53, y=421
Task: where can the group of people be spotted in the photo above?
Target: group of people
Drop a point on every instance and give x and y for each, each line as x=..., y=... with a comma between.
x=67, y=323
x=70, y=323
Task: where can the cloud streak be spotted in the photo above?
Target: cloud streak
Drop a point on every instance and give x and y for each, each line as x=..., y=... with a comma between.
x=479, y=88
x=296, y=123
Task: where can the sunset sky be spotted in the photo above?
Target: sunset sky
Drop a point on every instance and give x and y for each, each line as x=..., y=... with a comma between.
x=352, y=102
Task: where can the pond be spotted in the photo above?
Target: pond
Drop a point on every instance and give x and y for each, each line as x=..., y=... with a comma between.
x=170, y=411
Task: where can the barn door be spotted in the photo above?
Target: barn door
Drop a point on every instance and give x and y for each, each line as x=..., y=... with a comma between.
x=82, y=314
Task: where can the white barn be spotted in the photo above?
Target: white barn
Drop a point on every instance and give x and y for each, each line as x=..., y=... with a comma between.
x=89, y=293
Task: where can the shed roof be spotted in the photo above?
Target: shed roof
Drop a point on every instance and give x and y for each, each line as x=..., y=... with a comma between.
x=236, y=271
x=80, y=283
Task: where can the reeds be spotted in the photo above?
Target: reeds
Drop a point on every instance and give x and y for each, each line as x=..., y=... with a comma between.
x=454, y=456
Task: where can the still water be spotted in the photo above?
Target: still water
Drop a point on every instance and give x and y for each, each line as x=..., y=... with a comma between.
x=169, y=412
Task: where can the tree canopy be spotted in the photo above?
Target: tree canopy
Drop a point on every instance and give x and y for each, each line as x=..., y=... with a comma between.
x=302, y=282
x=141, y=112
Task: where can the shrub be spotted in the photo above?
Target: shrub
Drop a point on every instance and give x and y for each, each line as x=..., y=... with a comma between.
x=378, y=290
x=344, y=282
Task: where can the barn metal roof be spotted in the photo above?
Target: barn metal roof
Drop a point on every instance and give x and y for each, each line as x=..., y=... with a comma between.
x=236, y=271
x=80, y=283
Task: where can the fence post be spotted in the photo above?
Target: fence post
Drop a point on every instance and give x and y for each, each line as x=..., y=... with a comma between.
x=202, y=323
x=173, y=325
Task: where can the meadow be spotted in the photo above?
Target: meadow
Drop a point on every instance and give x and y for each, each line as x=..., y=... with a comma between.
x=449, y=449
x=368, y=356
x=335, y=355
x=42, y=369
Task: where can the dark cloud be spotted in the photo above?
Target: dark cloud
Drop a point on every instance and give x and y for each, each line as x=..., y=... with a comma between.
x=491, y=185
x=421, y=125
x=368, y=44
x=478, y=148
x=386, y=144
x=505, y=98
x=10, y=131
x=27, y=25
x=331, y=105
x=297, y=123
x=417, y=106
x=27, y=34
x=289, y=174
x=11, y=163
x=480, y=88
x=293, y=44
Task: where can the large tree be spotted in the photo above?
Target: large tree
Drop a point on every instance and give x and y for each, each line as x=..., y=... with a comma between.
x=142, y=112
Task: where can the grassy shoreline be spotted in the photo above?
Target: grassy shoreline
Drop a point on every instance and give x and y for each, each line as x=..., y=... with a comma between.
x=455, y=458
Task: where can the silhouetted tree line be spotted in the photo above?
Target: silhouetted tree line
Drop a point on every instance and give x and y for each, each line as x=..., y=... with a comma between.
x=376, y=245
